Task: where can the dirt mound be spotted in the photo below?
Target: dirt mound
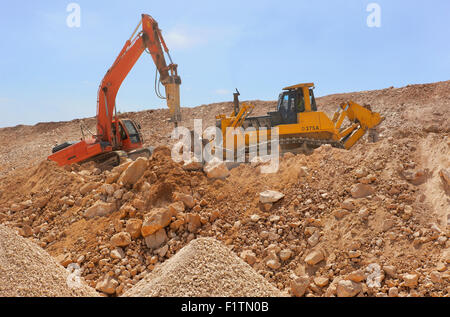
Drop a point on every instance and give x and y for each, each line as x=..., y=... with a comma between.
x=27, y=270
x=379, y=206
x=203, y=268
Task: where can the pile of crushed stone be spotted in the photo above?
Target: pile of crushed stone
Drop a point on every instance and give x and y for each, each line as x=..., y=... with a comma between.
x=26, y=270
x=203, y=268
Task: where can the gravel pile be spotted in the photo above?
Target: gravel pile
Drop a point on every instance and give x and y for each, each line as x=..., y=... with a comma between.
x=26, y=270
x=204, y=268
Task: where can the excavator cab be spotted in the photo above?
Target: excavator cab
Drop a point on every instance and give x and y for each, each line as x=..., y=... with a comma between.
x=129, y=134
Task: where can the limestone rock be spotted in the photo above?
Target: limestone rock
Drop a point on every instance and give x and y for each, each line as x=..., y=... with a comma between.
x=176, y=208
x=314, y=257
x=270, y=196
x=99, y=209
x=155, y=220
x=274, y=264
x=156, y=239
x=188, y=200
x=133, y=227
x=117, y=253
x=361, y=190
x=216, y=169
x=121, y=239
x=374, y=275
x=193, y=221
x=87, y=188
x=347, y=288
x=248, y=256
x=357, y=276
x=107, y=285
x=416, y=177
x=321, y=281
x=299, y=285
x=411, y=280
x=133, y=172
x=285, y=254
x=348, y=204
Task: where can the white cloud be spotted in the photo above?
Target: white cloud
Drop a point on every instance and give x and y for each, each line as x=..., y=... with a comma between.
x=186, y=37
x=179, y=38
x=222, y=92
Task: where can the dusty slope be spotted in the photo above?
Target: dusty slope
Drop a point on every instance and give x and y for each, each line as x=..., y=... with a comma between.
x=27, y=270
x=402, y=225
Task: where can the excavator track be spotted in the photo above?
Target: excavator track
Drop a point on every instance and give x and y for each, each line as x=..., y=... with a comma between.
x=294, y=144
x=107, y=161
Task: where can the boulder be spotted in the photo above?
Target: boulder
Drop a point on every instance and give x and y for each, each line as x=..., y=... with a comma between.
x=121, y=239
x=411, y=280
x=133, y=227
x=87, y=188
x=348, y=204
x=314, y=257
x=285, y=254
x=107, y=285
x=347, y=288
x=361, y=190
x=416, y=177
x=193, y=221
x=248, y=256
x=188, y=200
x=156, y=240
x=176, y=208
x=133, y=172
x=216, y=169
x=117, y=253
x=99, y=209
x=321, y=281
x=155, y=220
x=270, y=196
x=299, y=285
x=356, y=276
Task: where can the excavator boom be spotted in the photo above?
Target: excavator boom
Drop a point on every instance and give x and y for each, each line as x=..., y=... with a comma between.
x=150, y=39
x=116, y=137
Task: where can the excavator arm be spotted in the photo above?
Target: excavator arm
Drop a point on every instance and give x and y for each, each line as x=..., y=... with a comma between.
x=150, y=39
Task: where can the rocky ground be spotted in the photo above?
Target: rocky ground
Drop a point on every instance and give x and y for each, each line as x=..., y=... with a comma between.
x=370, y=221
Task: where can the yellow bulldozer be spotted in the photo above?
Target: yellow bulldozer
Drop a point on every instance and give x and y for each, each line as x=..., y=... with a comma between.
x=300, y=125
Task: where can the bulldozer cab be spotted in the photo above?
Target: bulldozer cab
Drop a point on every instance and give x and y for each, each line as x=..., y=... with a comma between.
x=292, y=101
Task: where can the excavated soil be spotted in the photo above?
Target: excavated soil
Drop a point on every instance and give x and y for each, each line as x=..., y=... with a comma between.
x=204, y=267
x=401, y=227
x=27, y=271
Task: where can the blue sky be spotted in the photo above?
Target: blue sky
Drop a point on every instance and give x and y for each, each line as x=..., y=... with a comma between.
x=50, y=72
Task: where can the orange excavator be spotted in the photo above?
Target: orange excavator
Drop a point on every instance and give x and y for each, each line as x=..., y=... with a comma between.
x=116, y=137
